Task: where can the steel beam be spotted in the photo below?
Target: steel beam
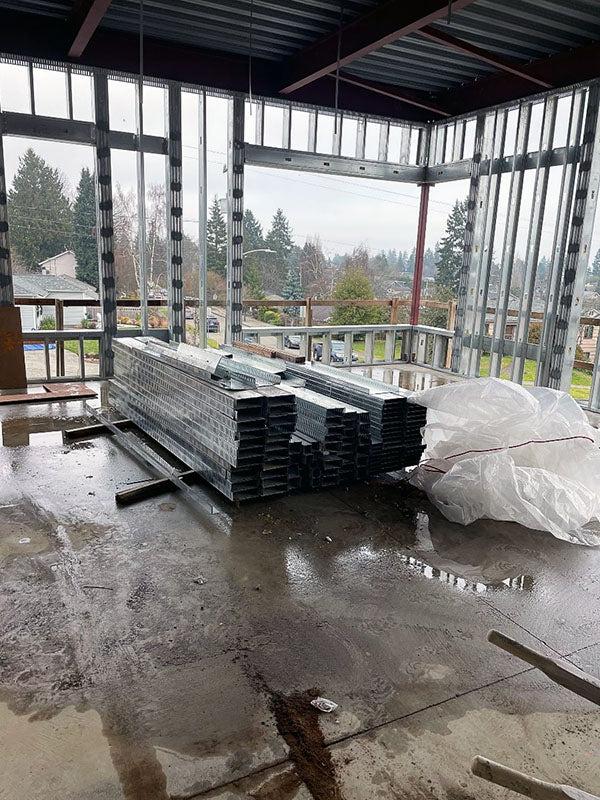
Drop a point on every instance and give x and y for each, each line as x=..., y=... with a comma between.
x=6, y=282
x=85, y=18
x=175, y=217
x=441, y=37
x=408, y=96
x=333, y=165
x=141, y=205
x=564, y=335
x=108, y=294
x=383, y=25
x=235, y=220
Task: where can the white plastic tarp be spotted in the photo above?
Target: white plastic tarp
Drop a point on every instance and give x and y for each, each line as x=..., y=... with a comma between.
x=500, y=451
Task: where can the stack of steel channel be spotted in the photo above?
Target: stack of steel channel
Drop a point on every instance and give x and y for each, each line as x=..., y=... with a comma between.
x=395, y=424
x=332, y=437
x=186, y=402
x=281, y=422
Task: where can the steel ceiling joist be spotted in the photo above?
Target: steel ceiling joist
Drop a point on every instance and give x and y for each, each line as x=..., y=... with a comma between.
x=385, y=24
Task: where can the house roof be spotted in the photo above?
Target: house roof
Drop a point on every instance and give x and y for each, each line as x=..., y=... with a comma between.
x=58, y=255
x=44, y=286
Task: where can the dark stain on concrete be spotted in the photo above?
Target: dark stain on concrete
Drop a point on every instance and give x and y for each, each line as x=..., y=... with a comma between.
x=298, y=724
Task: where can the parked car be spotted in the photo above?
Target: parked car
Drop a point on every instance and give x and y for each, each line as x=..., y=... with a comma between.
x=337, y=352
x=212, y=325
x=292, y=341
x=250, y=338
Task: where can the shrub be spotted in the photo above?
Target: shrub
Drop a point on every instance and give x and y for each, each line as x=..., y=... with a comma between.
x=48, y=324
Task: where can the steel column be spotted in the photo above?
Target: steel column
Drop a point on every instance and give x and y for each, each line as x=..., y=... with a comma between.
x=559, y=245
x=415, y=302
x=108, y=294
x=202, y=218
x=141, y=192
x=564, y=335
x=6, y=282
x=472, y=204
x=534, y=237
x=486, y=246
x=510, y=240
x=175, y=218
x=235, y=220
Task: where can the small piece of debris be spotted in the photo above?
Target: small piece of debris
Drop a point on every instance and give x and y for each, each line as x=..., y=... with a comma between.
x=199, y=580
x=257, y=588
x=24, y=540
x=166, y=506
x=323, y=704
x=92, y=493
x=328, y=539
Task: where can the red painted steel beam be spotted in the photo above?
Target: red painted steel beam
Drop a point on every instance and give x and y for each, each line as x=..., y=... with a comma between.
x=415, y=299
x=521, y=70
x=384, y=25
x=85, y=18
x=562, y=69
x=387, y=90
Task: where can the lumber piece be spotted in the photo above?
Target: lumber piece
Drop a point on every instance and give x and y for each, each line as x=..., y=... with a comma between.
x=525, y=784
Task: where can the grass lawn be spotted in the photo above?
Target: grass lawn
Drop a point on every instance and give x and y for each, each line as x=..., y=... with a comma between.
x=90, y=347
x=581, y=380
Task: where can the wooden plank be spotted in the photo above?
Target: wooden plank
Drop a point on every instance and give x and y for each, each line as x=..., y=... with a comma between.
x=152, y=488
x=525, y=784
x=88, y=431
x=558, y=670
x=51, y=393
x=12, y=358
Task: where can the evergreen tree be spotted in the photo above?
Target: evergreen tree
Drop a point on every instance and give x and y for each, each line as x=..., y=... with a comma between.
x=84, y=236
x=293, y=286
x=41, y=220
x=353, y=284
x=280, y=240
x=216, y=239
x=450, y=250
x=596, y=265
x=254, y=263
x=313, y=268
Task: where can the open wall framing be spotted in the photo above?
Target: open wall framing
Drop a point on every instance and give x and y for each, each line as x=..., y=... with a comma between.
x=496, y=150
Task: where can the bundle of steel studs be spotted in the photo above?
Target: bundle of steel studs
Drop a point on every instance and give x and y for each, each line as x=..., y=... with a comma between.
x=254, y=427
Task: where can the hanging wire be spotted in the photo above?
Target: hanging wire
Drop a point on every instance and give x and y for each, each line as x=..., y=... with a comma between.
x=337, y=68
x=250, y=54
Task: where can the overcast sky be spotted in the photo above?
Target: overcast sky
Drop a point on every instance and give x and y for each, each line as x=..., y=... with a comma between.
x=343, y=212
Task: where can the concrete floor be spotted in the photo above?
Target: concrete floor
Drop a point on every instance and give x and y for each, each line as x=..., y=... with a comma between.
x=151, y=653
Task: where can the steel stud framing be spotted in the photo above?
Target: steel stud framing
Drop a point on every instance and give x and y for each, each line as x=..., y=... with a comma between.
x=108, y=294
x=175, y=218
x=235, y=220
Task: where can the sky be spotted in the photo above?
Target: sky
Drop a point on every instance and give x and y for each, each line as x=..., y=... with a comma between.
x=343, y=212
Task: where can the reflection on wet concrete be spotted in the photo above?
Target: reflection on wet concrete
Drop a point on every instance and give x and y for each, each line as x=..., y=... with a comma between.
x=406, y=376
x=520, y=583
x=38, y=431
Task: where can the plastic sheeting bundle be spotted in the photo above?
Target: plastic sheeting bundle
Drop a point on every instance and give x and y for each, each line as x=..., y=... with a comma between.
x=497, y=450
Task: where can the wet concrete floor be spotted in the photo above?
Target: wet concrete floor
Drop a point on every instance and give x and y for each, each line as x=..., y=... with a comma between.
x=150, y=652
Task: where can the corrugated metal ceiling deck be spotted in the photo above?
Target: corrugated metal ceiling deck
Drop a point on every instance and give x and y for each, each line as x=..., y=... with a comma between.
x=518, y=30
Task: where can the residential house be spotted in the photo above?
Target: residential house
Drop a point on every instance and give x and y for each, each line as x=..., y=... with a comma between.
x=62, y=264
x=48, y=288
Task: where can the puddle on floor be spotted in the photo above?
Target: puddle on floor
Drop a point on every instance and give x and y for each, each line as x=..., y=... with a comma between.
x=36, y=431
x=522, y=583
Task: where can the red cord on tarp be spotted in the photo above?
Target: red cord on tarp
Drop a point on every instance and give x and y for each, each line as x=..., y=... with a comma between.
x=430, y=468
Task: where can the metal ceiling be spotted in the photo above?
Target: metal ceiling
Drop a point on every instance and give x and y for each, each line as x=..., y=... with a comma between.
x=518, y=30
